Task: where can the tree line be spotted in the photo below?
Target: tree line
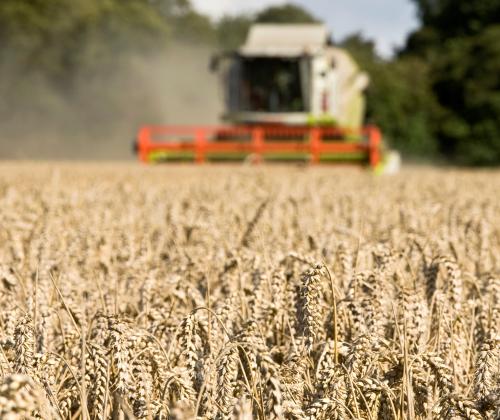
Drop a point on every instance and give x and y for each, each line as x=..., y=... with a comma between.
x=438, y=97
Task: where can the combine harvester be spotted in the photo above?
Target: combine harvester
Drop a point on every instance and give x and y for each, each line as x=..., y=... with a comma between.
x=290, y=96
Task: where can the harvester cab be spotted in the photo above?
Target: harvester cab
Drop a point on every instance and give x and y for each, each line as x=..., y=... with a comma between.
x=290, y=75
x=289, y=95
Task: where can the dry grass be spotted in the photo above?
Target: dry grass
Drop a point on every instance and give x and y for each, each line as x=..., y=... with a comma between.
x=235, y=292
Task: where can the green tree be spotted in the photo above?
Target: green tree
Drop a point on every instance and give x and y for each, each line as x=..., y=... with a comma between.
x=399, y=98
x=232, y=31
x=194, y=27
x=288, y=13
x=70, y=64
x=60, y=38
x=187, y=24
x=453, y=18
x=466, y=80
x=459, y=40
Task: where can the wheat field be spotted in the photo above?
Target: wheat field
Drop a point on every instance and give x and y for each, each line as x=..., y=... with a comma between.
x=235, y=292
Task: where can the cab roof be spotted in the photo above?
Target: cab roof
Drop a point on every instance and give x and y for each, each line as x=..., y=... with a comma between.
x=285, y=40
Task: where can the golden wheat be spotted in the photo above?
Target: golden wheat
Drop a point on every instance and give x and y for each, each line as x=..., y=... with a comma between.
x=236, y=293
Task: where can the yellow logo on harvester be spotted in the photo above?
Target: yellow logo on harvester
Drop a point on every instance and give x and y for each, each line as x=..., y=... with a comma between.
x=323, y=120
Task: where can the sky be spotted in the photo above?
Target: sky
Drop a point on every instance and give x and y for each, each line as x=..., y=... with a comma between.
x=387, y=22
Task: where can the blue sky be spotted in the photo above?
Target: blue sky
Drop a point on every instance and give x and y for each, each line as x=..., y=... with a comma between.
x=386, y=21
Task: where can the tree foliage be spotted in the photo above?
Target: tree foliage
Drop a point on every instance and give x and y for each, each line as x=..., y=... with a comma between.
x=232, y=31
x=399, y=97
x=454, y=18
x=288, y=13
x=440, y=95
x=466, y=81
x=60, y=37
x=459, y=39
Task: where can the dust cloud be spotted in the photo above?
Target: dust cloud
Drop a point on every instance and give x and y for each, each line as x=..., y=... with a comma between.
x=98, y=118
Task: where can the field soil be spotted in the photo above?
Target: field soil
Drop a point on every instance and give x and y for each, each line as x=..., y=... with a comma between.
x=239, y=292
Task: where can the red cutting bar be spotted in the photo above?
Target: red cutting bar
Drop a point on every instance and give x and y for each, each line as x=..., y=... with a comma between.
x=258, y=141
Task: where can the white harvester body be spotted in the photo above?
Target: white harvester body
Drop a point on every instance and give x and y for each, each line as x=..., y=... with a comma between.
x=290, y=74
